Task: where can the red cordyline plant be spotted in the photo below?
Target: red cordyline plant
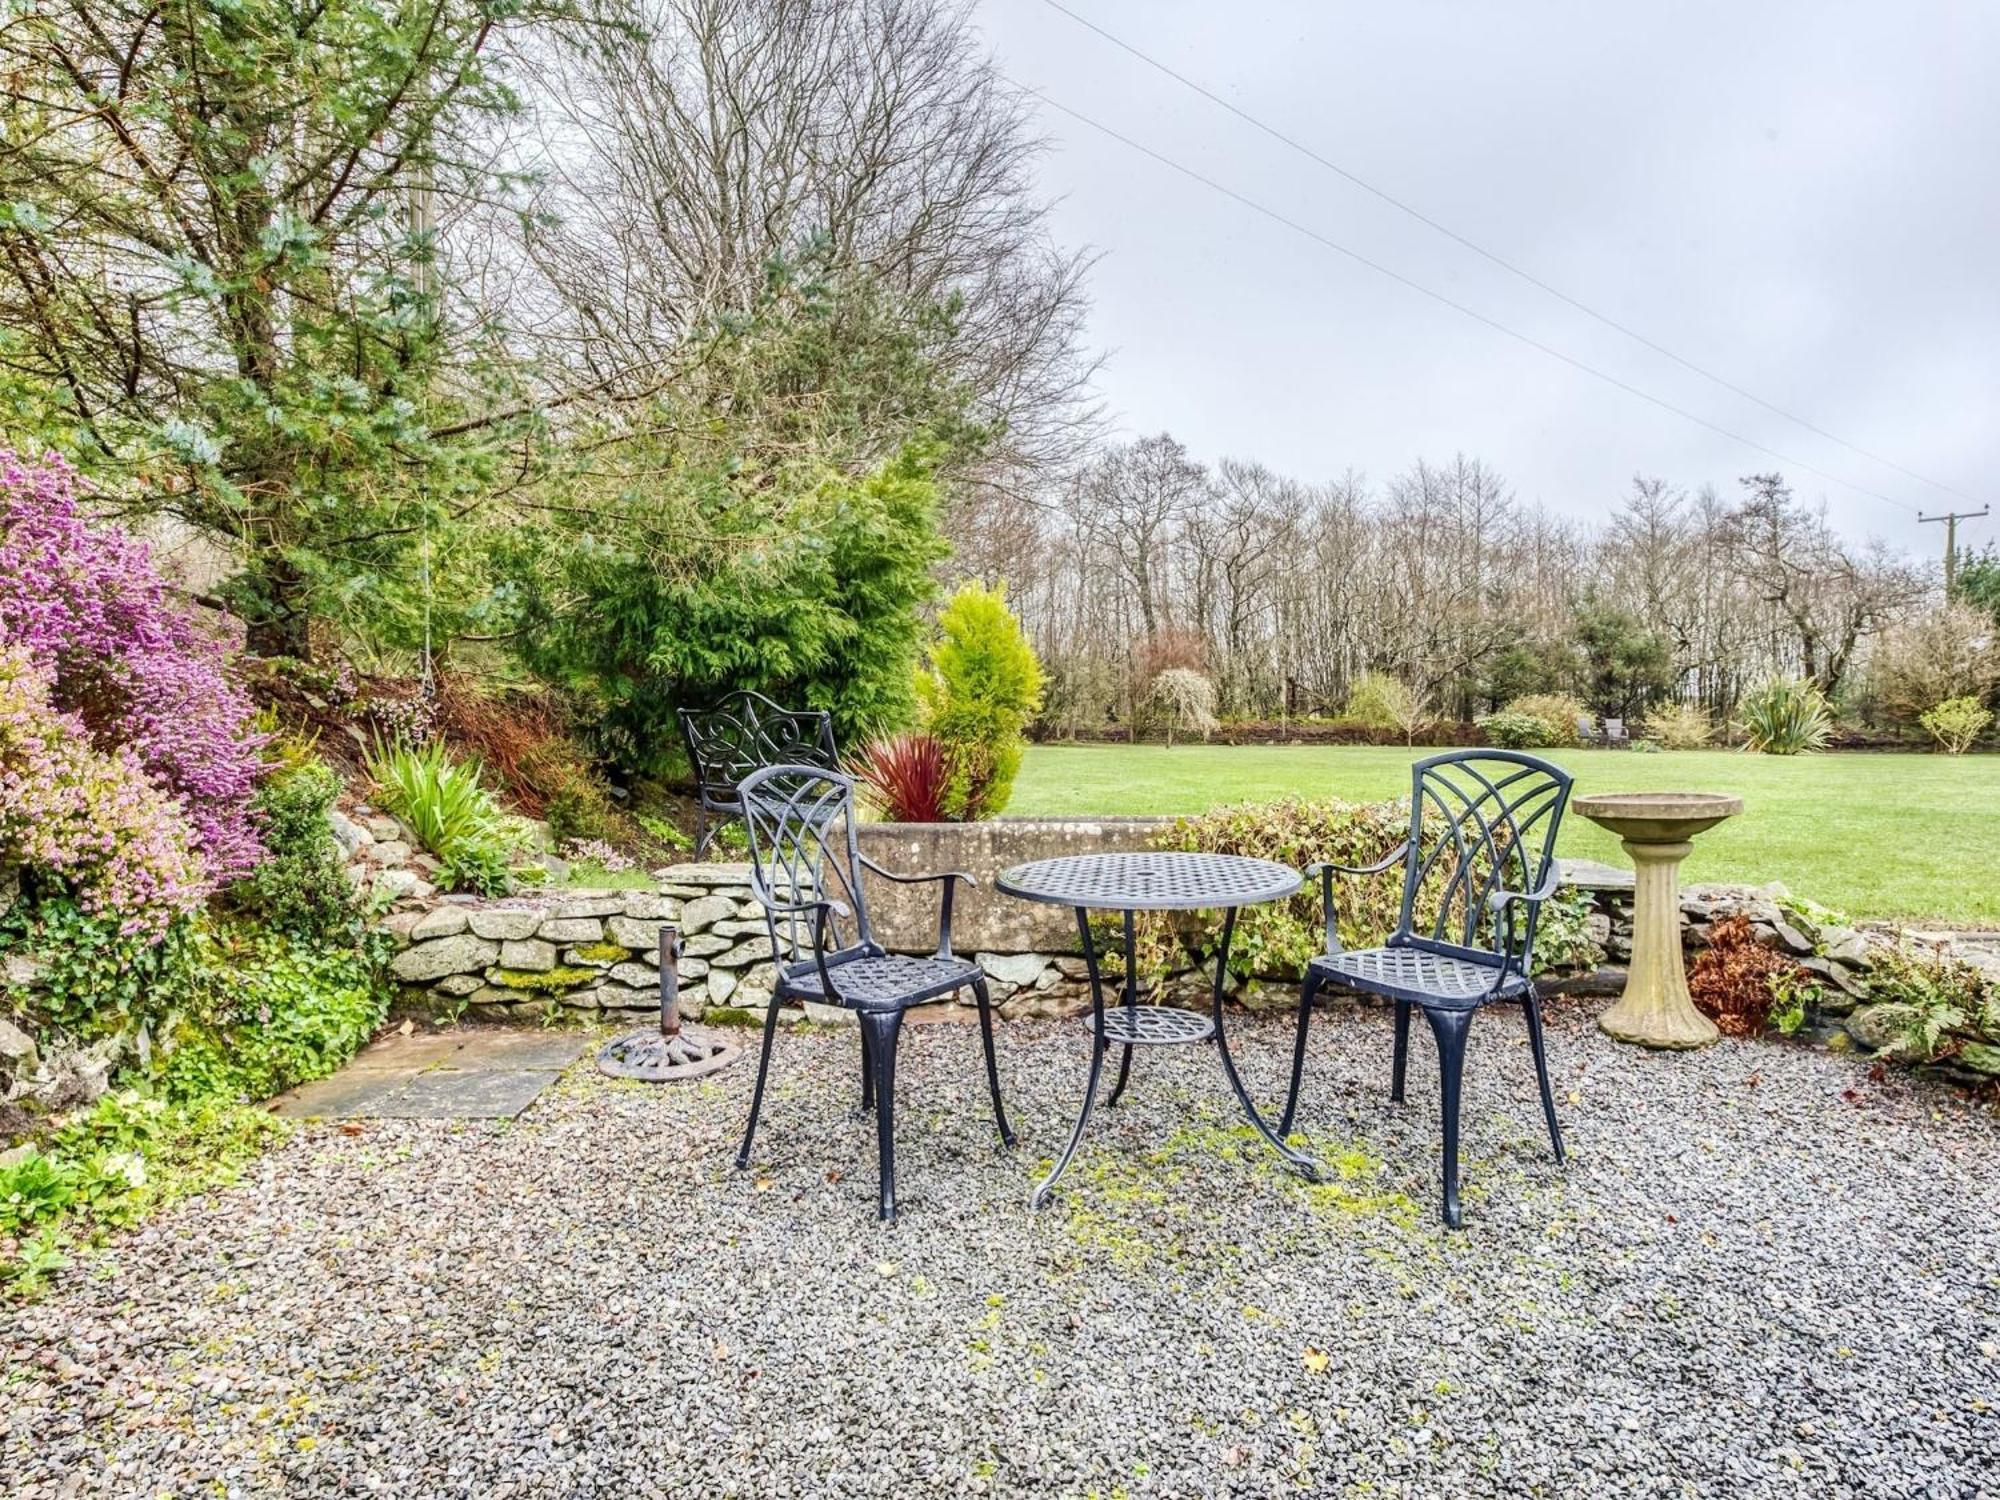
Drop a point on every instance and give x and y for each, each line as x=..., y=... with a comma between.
x=905, y=778
x=126, y=658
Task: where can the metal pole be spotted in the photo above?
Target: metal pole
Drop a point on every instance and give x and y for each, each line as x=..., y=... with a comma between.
x=670, y=982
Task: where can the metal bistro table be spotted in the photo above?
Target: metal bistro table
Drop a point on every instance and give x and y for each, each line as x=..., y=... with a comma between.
x=1132, y=883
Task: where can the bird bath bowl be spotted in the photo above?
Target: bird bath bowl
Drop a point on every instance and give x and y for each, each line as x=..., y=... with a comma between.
x=1657, y=830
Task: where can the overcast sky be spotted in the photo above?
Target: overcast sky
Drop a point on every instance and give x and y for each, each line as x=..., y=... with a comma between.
x=1801, y=197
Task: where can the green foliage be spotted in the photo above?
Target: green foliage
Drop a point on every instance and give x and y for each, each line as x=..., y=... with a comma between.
x=983, y=686
x=270, y=364
x=1680, y=726
x=1513, y=730
x=1529, y=666
x=268, y=1011
x=1956, y=723
x=450, y=811
x=1625, y=663
x=1561, y=715
x=1563, y=943
x=301, y=886
x=1795, y=998
x=770, y=523
x=1786, y=716
x=1979, y=580
x=98, y=980
x=1380, y=701
x=131, y=1152
x=1931, y=1004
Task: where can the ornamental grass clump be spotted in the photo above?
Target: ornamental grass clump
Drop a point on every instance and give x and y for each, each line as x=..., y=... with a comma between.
x=905, y=778
x=449, y=809
x=1786, y=716
x=127, y=660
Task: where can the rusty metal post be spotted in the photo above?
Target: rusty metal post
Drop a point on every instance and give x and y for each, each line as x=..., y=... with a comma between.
x=670, y=981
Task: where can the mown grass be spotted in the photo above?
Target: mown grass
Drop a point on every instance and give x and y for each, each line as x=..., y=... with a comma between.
x=1876, y=835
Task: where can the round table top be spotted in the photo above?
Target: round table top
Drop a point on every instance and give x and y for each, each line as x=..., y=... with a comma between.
x=1167, y=880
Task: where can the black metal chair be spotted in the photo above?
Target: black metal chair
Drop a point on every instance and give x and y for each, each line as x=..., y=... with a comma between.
x=1482, y=844
x=742, y=733
x=801, y=825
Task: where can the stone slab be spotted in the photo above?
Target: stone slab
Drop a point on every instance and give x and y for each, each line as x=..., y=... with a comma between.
x=498, y=1049
x=448, y=1094
x=349, y=1094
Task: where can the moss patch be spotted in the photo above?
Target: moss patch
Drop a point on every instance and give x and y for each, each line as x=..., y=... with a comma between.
x=547, y=981
x=602, y=953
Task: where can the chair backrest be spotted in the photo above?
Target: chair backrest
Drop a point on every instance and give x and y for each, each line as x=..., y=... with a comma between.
x=1481, y=821
x=803, y=847
x=1614, y=729
x=746, y=732
x=1585, y=728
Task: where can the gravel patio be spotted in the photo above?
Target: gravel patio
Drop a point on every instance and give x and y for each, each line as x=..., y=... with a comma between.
x=1763, y=1273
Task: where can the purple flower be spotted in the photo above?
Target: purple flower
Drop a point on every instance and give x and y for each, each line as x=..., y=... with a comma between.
x=126, y=663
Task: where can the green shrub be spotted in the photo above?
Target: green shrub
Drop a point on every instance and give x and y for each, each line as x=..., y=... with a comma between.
x=1563, y=715
x=1956, y=723
x=1380, y=701
x=301, y=885
x=450, y=811
x=1518, y=731
x=1786, y=716
x=983, y=686
x=1279, y=936
x=1680, y=726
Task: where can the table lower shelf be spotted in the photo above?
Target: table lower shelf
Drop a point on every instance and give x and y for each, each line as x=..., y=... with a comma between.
x=1155, y=1025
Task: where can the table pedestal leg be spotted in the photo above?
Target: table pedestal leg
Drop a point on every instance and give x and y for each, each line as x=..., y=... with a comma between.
x=1304, y=1165
x=1656, y=1010
x=1097, y=1048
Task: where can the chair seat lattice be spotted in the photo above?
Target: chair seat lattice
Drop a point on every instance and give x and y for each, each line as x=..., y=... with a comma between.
x=1413, y=974
x=890, y=979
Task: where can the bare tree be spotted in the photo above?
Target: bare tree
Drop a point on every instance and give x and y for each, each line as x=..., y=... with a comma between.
x=687, y=145
x=1828, y=597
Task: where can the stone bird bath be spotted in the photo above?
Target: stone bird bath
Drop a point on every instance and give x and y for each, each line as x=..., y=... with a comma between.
x=1656, y=829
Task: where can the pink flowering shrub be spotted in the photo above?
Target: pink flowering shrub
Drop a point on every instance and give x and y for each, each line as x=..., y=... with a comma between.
x=90, y=819
x=127, y=659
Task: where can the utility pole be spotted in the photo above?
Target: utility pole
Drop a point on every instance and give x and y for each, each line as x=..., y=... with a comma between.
x=1951, y=518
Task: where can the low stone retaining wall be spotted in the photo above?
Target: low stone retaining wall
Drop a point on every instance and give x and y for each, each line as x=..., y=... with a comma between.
x=597, y=950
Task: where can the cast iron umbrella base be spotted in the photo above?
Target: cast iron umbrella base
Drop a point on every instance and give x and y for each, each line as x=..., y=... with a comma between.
x=672, y=1053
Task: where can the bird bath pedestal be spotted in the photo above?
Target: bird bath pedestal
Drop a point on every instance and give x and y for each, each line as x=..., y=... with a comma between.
x=1656, y=829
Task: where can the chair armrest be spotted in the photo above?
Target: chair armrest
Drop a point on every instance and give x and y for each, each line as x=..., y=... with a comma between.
x=1501, y=904
x=1326, y=869
x=1501, y=900
x=951, y=878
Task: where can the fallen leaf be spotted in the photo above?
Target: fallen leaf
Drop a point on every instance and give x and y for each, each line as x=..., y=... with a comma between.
x=1314, y=1361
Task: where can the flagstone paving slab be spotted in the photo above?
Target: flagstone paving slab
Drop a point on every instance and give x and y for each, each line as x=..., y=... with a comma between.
x=467, y=1073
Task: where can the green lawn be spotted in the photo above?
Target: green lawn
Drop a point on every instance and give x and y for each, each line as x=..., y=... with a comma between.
x=1877, y=835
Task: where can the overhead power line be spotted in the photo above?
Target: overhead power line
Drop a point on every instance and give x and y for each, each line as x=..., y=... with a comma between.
x=1502, y=262
x=1459, y=307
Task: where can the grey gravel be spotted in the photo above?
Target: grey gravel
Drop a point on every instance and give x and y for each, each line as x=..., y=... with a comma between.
x=1764, y=1272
